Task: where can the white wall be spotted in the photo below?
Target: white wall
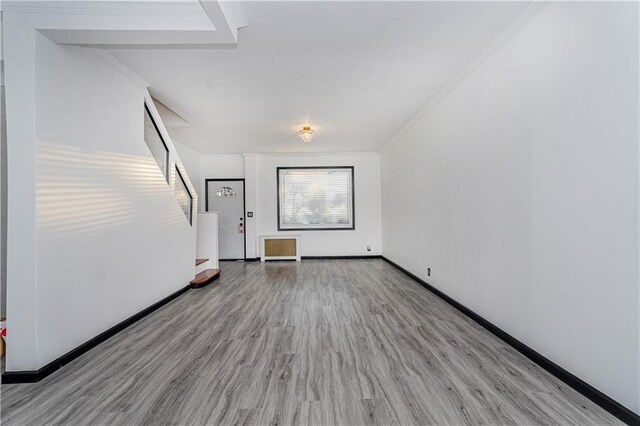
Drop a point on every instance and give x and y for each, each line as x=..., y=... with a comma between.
x=3, y=186
x=192, y=162
x=325, y=243
x=19, y=76
x=520, y=191
x=251, y=205
x=111, y=237
x=207, y=240
x=223, y=166
x=259, y=171
x=90, y=213
x=220, y=166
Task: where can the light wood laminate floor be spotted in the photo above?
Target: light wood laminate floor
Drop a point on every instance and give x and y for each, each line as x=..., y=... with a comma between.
x=318, y=342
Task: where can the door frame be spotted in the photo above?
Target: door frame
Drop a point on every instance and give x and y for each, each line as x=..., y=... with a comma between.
x=244, y=207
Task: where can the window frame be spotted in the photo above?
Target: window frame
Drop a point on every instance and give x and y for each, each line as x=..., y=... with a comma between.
x=167, y=166
x=179, y=175
x=353, y=198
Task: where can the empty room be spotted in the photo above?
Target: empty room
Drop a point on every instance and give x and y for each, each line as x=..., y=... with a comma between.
x=319, y=212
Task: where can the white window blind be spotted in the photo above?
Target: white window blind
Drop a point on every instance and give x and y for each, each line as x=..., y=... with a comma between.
x=315, y=198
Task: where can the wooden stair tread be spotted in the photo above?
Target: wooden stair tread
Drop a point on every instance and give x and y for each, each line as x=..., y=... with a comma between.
x=200, y=261
x=205, y=277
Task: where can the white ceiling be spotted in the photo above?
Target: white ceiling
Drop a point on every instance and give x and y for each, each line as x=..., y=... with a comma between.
x=135, y=22
x=355, y=71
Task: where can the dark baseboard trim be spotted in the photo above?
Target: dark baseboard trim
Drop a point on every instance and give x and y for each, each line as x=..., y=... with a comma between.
x=33, y=376
x=252, y=259
x=373, y=256
x=604, y=401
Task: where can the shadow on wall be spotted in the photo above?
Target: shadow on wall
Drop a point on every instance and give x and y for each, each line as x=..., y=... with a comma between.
x=82, y=193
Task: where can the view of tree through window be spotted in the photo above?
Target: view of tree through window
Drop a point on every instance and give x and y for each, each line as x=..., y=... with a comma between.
x=315, y=198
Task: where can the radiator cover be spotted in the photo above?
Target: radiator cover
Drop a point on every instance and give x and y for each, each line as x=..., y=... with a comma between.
x=280, y=247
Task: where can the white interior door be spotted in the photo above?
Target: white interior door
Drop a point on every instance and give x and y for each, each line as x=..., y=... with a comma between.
x=227, y=198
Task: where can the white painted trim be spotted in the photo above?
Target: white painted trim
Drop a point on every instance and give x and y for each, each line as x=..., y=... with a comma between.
x=172, y=119
x=523, y=18
x=283, y=154
x=186, y=148
x=226, y=29
x=47, y=8
x=119, y=66
x=316, y=154
x=206, y=156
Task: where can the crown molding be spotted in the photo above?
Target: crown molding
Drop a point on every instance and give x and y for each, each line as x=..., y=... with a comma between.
x=120, y=67
x=319, y=154
x=519, y=22
x=276, y=154
x=99, y=8
x=183, y=147
x=208, y=156
x=169, y=116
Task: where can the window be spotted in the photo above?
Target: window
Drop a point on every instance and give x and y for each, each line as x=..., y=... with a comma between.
x=155, y=142
x=315, y=198
x=183, y=195
x=225, y=192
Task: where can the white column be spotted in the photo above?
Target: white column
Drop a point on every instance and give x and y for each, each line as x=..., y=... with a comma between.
x=250, y=176
x=21, y=193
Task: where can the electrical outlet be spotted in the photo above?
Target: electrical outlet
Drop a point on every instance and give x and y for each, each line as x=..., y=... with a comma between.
x=428, y=272
x=368, y=248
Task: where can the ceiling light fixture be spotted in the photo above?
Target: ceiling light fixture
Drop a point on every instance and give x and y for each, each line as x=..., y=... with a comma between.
x=306, y=134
